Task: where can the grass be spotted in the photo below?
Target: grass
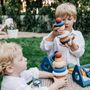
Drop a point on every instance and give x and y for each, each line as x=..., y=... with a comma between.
x=85, y=59
x=34, y=55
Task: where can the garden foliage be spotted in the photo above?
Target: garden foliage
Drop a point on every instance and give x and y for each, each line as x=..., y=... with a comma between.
x=43, y=20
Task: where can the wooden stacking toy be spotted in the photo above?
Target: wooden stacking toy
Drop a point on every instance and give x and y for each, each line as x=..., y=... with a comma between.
x=59, y=66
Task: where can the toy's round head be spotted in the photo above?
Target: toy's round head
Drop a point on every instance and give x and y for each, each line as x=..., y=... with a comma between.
x=58, y=55
x=59, y=22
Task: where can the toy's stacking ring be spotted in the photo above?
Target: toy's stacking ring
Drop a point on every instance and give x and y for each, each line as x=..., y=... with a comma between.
x=58, y=70
x=59, y=24
x=60, y=74
x=64, y=35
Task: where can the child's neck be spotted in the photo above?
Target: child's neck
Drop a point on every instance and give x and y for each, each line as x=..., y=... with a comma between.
x=14, y=74
x=70, y=30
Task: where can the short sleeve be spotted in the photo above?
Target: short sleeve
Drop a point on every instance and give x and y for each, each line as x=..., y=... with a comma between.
x=29, y=74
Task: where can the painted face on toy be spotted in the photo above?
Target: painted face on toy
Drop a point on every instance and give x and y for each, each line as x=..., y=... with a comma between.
x=69, y=21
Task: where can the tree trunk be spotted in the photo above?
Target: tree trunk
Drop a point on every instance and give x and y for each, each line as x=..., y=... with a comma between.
x=2, y=6
x=60, y=1
x=39, y=2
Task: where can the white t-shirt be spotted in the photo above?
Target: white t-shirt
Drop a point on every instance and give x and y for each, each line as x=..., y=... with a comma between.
x=67, y=54
x=20, y=83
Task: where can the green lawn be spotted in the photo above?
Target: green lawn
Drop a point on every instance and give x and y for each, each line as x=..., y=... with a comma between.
x=32, y=51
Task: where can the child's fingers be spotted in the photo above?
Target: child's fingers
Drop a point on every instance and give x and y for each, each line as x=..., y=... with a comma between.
x=55, y=31
x=56, y=28
x=64, y=78
x=66, y=45
x=71, y=41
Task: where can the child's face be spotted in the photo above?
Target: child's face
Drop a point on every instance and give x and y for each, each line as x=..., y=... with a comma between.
x=20, y=64
x=69, y=21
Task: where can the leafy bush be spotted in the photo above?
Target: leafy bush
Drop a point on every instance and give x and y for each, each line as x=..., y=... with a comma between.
x=34, y=23
x=83, y=21
x=83, y=18
x=0, y=15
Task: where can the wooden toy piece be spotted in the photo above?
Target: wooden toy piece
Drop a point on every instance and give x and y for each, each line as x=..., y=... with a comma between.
x=58, y=55
x=83, y=73
x=59, y=23
x=46, y=64
x=80, y=76
x=59, y=66
x=60, y=76
x=63, y=34
x=58, y=20
x=70, y=68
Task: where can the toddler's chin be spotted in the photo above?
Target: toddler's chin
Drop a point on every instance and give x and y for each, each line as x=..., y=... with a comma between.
x=66, y=28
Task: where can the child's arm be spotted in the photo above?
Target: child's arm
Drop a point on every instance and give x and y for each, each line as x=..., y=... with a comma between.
x=43, y=74
x=73, y=46
x=77, y=47
x=53, y=34
x=58, y=83
x=47, y=42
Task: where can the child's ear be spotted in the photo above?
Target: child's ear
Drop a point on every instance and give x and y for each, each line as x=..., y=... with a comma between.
x=74, y=20
x=9, y=69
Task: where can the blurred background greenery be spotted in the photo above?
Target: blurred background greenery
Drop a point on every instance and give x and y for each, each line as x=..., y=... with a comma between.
x=38, y=15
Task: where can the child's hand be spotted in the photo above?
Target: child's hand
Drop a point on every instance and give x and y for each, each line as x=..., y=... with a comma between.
x=55, y=31
x=61, y=82
x=58, y=83
x=72, y=44
x=53, y=34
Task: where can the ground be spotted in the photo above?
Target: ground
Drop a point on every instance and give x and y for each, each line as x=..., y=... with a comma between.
x=24, y=34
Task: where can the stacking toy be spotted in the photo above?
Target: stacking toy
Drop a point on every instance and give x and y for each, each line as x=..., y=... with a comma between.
x=81, y=75
x=64, y=35
x=59, y=66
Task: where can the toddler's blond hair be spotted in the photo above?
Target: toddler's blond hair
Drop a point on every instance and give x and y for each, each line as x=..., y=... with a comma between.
x=8, y=53
x=66, y=9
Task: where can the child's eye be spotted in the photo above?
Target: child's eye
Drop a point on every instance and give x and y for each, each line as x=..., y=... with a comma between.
x=63, y=19
x=69, y=18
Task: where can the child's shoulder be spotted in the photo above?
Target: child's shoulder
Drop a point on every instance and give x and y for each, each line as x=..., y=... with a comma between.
x=77, y=32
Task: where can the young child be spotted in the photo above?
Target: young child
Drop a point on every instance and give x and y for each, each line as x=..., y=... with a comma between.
x=73, y=50
x=13, y=68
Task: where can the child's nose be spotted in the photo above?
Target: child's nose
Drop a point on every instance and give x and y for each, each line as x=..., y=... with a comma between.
x=66, y=21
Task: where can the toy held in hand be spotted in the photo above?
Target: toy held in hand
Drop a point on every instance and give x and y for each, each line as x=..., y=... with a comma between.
x=64, y=34
x=64, y=37
x=59, y=23
x=59, y=66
